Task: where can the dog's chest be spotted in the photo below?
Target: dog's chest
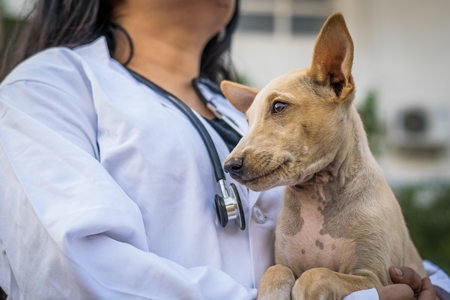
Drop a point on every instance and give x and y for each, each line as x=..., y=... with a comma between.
x=302, y=243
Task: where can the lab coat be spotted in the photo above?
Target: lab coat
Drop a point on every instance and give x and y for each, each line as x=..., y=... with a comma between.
x=106, y=190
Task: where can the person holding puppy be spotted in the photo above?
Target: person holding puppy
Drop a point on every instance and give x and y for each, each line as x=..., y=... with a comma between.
x=106, y=188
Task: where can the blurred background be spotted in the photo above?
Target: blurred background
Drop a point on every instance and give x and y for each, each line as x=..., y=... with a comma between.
x=401, y=69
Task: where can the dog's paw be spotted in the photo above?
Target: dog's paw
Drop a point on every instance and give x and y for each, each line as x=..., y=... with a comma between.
x=315, y=284
x=276, y=284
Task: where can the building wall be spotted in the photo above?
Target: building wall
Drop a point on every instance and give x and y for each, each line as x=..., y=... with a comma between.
x=406, y=46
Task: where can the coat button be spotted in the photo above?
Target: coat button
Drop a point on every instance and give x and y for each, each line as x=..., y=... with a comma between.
x=258, y=215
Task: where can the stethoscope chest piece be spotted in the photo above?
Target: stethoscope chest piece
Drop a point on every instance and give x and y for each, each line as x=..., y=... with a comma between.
x=229, y=206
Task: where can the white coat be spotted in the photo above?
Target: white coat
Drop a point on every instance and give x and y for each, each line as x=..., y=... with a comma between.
x=106, y=190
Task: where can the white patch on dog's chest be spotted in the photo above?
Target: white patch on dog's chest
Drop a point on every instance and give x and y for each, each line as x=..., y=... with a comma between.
x=310, y=247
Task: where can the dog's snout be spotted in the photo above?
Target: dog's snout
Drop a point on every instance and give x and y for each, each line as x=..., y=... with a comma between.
x=235, y=167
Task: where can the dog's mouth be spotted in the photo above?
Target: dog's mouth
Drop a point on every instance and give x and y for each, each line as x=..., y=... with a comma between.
x=245, y=181
x=308, y=180
x=259, y=178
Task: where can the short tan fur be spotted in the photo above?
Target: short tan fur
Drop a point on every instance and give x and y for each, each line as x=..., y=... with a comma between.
x=340, y=226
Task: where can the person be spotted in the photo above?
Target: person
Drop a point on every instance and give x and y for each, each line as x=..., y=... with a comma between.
x=106, y=187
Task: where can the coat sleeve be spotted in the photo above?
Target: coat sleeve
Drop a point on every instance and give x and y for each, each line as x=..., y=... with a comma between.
x=364, y=294
x=439, y=278
x=67, y=229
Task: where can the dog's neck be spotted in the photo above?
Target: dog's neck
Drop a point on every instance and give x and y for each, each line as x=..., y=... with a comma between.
x=352, y=158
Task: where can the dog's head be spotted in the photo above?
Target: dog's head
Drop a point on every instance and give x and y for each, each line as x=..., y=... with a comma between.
x=299, y=120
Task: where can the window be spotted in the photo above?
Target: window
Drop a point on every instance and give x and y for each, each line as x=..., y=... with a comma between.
x=307, y=24
x=257, y=23
x=283, y=17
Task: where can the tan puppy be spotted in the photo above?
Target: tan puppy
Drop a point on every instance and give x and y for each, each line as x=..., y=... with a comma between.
x=340, y=227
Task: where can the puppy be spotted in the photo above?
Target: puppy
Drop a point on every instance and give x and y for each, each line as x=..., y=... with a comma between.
x=340, y=227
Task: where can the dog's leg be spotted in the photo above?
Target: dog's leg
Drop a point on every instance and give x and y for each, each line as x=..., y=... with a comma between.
x=322, y=283
x=276, y=283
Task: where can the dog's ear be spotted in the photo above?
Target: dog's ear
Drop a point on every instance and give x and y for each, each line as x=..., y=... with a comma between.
x=239, y=95
x=333, y=57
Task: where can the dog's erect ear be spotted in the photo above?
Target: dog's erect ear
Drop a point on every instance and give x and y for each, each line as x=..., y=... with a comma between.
x=239, y=95
x=333, y=57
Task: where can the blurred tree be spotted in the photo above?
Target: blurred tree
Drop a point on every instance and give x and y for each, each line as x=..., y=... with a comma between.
x=426, y=209
x=368, y=111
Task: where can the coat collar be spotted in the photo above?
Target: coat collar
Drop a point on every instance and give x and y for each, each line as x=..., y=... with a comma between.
x=97, y=51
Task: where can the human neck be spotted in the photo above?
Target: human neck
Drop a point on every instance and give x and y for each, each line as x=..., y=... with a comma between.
x=168, y=55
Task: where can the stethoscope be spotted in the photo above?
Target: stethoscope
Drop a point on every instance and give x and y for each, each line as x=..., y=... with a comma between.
x=228, y=205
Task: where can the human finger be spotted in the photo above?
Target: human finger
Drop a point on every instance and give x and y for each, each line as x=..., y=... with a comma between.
x=396, y=292
x=428, y=291
x=407, y=276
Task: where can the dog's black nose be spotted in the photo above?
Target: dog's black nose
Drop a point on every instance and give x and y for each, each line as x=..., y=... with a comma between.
x=235, y=167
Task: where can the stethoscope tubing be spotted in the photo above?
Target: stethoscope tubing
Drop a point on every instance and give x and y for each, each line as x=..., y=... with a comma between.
x=196, y=83
x=186, y=110
x=229, y=205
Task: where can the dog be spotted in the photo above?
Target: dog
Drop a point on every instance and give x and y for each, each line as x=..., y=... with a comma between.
x=340, y=226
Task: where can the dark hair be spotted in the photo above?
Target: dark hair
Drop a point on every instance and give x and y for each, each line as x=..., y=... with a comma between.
x=73, y=23
x=216, y=61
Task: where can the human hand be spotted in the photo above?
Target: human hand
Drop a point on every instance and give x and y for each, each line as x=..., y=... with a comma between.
x=408, y=286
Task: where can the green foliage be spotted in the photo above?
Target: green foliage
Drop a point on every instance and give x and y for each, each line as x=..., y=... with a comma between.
x=368, y=111
x=243, y=79
x=426, y=209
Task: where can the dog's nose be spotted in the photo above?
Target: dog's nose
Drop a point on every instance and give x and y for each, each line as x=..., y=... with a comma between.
x=235, y=167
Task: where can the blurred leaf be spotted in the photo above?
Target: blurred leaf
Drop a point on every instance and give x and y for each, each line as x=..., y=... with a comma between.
x=368, y=111
x=429, y=225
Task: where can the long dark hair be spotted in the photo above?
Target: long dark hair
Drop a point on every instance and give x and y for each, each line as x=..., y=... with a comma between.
x=73, y=23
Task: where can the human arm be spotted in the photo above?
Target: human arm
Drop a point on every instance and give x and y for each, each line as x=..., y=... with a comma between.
x=407, y=282
x=407, y=285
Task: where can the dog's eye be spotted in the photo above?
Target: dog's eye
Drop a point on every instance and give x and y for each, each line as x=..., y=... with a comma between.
x=278, y=107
